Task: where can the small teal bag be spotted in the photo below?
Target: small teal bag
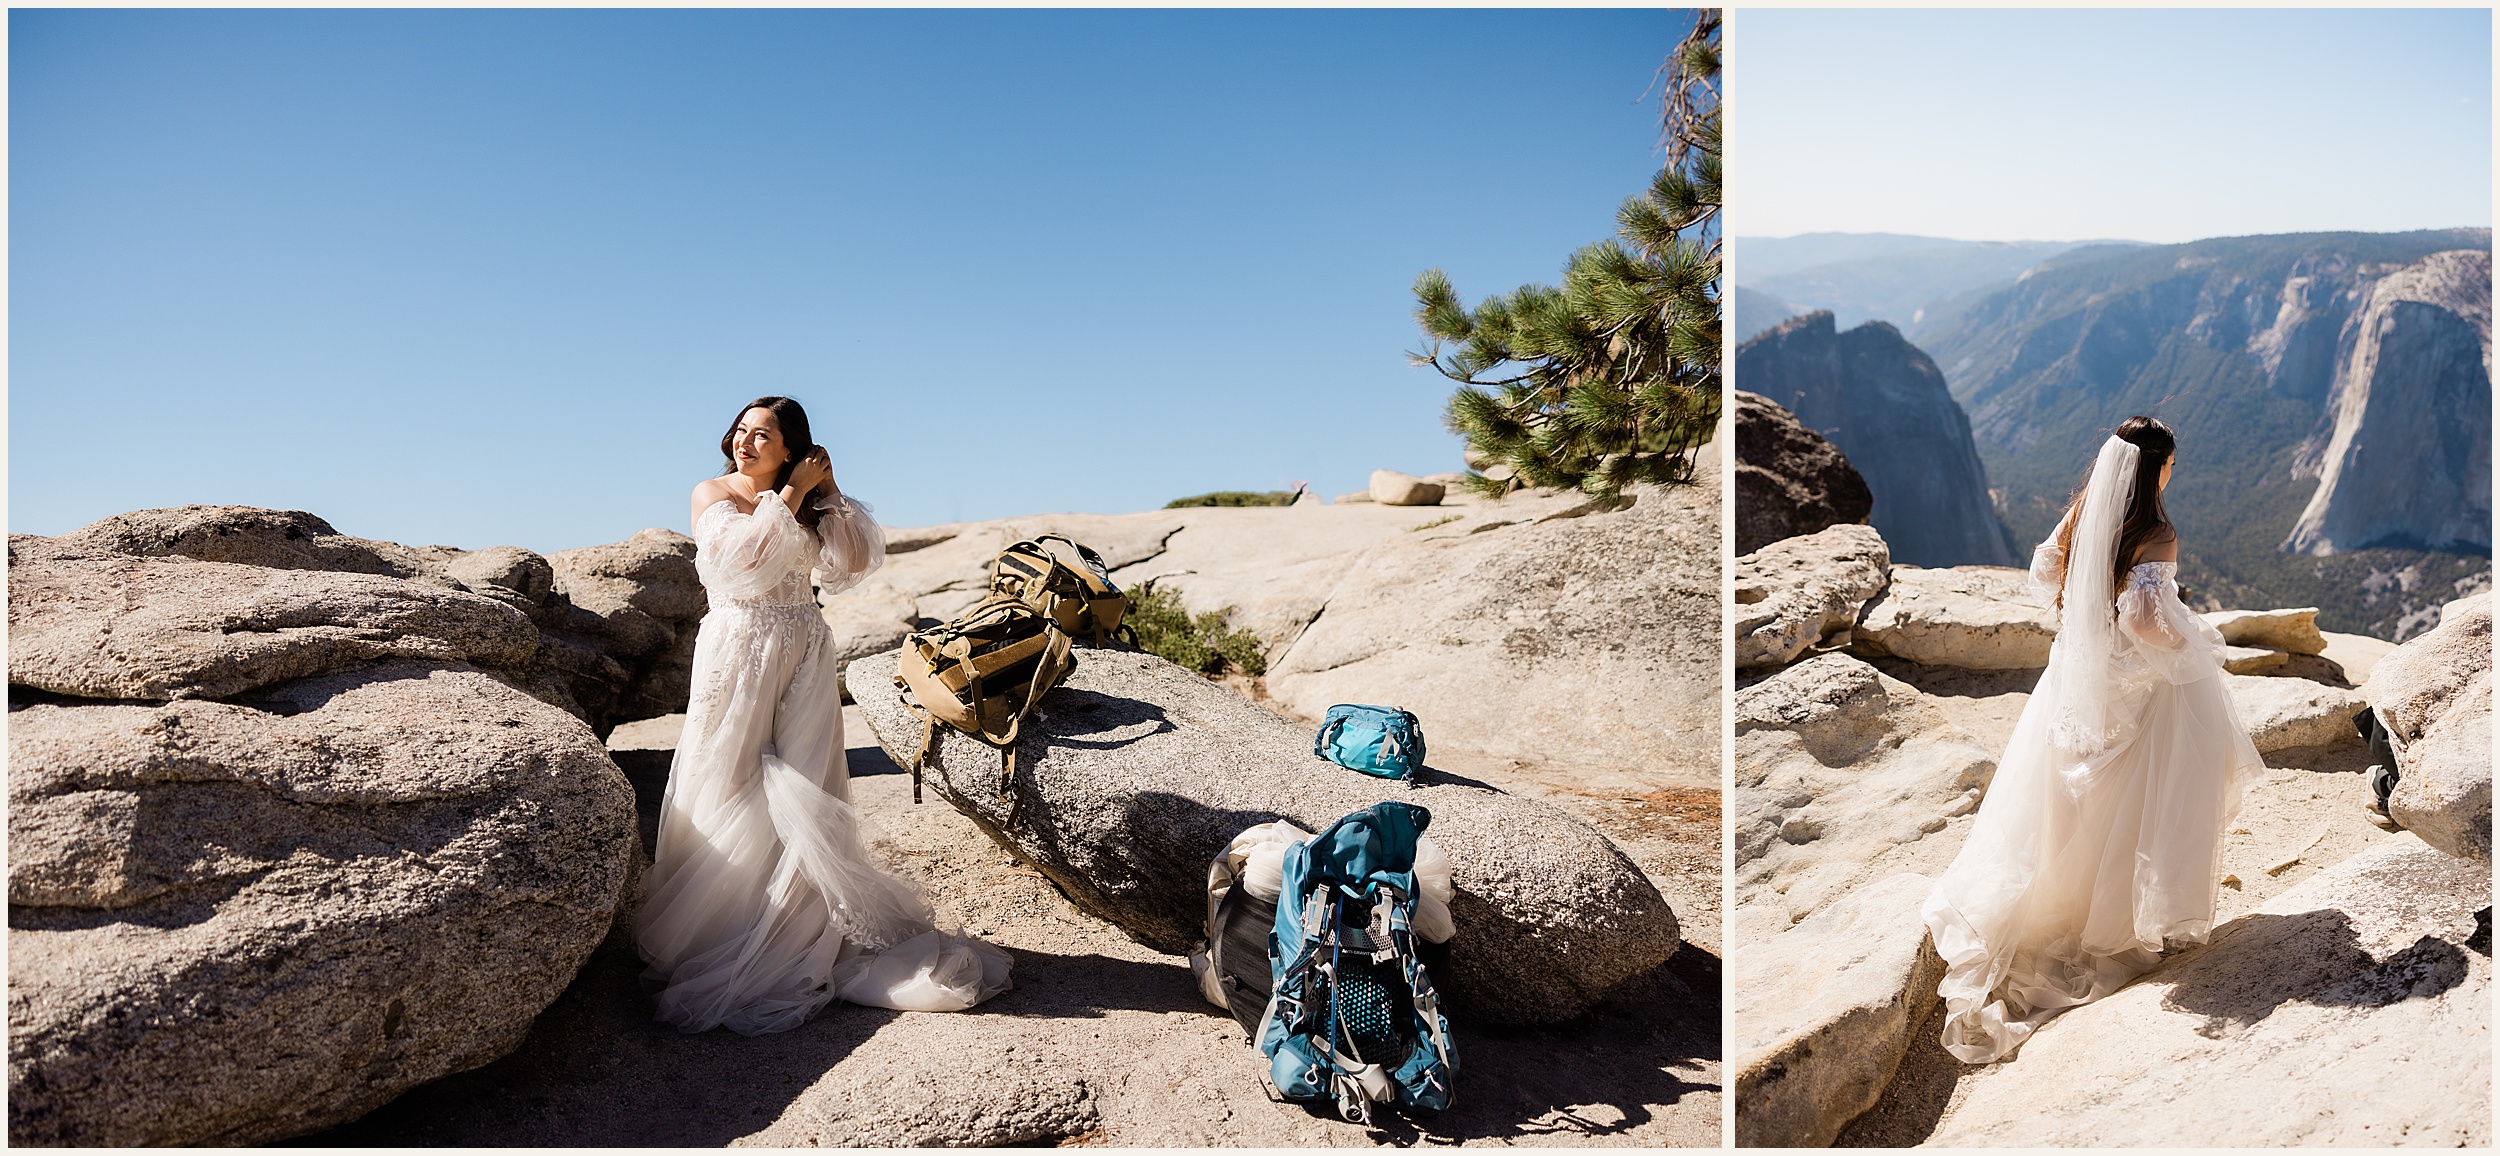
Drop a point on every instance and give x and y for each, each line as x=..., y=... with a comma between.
x=1377, y=740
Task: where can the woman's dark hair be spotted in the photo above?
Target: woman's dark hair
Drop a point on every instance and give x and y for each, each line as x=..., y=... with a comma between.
x=2146, y=523
x=794, y=435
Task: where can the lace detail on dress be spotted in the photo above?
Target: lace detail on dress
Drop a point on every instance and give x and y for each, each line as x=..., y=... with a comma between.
x=757, y=559
x=2161, y=635
x=2139, y=604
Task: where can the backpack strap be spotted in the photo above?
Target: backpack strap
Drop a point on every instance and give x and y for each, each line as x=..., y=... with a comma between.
x=1092, y=573
x=1054, y=666
x=928, y=745
x=940, y=670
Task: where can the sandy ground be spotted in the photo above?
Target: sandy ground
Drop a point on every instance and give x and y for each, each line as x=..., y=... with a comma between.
x=1103, y=1041
x=2304, y=818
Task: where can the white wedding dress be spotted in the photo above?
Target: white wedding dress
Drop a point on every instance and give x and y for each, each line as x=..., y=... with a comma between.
x=2101, y=836
x=762, y=904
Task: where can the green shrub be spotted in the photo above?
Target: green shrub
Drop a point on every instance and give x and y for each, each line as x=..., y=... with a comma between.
x=1203, y=644
x=1235, y=498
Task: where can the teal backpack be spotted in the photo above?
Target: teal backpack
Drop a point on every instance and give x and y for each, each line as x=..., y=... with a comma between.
x=1352, y=1015
x=1377, y=740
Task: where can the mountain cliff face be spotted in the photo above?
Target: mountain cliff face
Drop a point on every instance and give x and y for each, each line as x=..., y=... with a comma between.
x=2406, y=453
x=1790, y=480
x=2251, y=347
x=1886, y=406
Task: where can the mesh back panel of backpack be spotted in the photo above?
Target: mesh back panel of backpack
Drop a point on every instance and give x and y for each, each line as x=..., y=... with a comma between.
x=1371, y=1004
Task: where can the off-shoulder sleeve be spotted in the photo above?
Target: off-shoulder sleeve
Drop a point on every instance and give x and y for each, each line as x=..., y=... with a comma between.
x=850, y=544
x=2172, y=641
x=746, y=555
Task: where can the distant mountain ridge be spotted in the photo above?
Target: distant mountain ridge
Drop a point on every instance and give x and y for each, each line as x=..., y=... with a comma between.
x=1891, y=277
x=2247, y=345
x=1763, y=257
x=1749, y=312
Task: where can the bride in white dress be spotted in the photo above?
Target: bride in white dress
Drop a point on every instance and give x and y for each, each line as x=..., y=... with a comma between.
x=762, y=904
x=2101, y=837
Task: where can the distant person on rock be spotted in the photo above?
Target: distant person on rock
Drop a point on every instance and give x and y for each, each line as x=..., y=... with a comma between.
x=2100, y=840
x=2383, y=772
x=762, y=904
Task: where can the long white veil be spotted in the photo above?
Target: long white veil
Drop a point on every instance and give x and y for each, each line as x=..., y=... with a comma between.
x=2087, y=635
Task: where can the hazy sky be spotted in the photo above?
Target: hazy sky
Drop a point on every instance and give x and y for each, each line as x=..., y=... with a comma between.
x=503, y=277
x=2144, y=124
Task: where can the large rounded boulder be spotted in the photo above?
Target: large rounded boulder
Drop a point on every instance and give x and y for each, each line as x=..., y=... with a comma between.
x=251, y=536
x=2434, y=696
x=283, y=843
x=1136, y=773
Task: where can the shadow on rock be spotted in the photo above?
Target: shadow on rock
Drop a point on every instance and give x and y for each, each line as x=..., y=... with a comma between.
x=1956, y=681
x=1594, y=1076
x=2312, y=957
x=598, y=1071
x=648, y=772
x=187, y=906
x=872, y=760
x=1052, y=986
x=1920, y=1091
x=1106, y=722
x=2344, y=757
x=1431, y=776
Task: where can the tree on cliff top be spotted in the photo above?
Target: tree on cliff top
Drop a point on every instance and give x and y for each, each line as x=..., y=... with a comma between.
x=1613, y=378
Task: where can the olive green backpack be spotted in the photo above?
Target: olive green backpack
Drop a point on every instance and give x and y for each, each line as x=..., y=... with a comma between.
x=1078, y=594
x=984, y=672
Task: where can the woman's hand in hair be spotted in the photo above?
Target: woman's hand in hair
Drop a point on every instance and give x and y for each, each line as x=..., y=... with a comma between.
x=813, y=471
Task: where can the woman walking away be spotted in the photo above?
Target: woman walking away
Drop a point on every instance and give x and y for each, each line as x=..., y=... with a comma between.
x=762, y=905
x=2101, y=837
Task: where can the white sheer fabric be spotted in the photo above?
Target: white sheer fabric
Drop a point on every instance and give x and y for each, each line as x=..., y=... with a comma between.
x=762, y=904
x=2088, y=856
x=2083, y=718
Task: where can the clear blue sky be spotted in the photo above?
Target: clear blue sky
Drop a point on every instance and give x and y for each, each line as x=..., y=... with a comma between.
x=502, y=277
x=2107, y=123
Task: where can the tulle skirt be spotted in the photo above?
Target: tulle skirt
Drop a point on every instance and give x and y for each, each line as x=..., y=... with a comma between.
x=2079, y=870
x=762, y=904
